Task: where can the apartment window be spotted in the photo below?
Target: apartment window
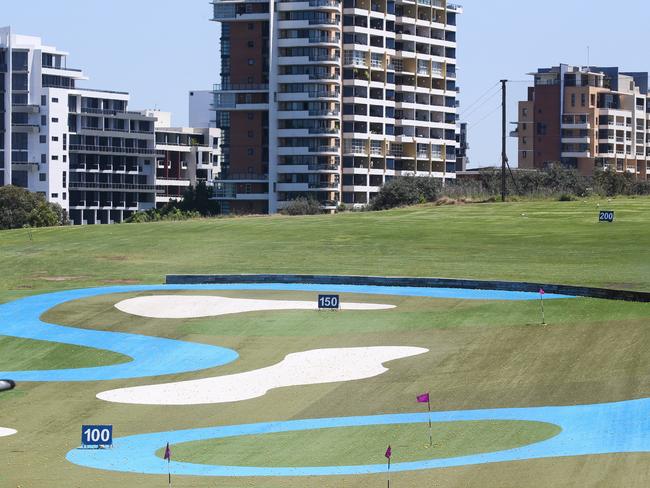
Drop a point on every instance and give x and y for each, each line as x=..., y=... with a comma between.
x=524, y=140
x=55, y=195
x=43, y=100
x=250, y=151
x=250, y=44
x=541, y=129
x=593, y=100
x=42, y=177
x=65, y=159
x=55, y=158
x=64, y=178
x=63, y=195
x=55, y=138
x=43, y=120
x=43, y=158
x=573, y=99
x=42, y=139
x=251, y=26
x=524, y=126
x=583, y=100
x=251, y=61
x=55, y=100
x=524, y=112
x=55, y=120
x=250, y=115
x=524, y=154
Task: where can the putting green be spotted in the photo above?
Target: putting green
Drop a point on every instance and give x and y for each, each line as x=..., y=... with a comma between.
x=364, y=445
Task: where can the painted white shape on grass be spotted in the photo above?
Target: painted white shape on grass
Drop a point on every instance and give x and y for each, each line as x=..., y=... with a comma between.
x=4, y=432
x=190, y=306
x=299, y=368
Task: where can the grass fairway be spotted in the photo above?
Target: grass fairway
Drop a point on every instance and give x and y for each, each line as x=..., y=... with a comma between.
x=537, y=241
x=364, y=445
x=24, y=354
x=482, y=354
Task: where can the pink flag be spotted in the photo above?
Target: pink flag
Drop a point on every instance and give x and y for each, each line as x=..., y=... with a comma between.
x=541, y=291
x=389, y=453
x=424, y=398
x=168, y=453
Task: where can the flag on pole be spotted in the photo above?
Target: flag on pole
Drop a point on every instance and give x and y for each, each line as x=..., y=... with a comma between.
x=168, y=457
x=389, y=453
x=424, y=398
x=168, y=453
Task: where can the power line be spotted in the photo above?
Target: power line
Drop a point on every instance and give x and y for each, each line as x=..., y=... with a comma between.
x=478, y=107
x=464, y=109
x=478, y=122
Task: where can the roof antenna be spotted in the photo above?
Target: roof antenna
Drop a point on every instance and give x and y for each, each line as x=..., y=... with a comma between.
x=588, y=68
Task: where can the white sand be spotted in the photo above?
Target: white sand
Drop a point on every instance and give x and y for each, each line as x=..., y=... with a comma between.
x=188, y=306
x=300, y=368
x=4, y=432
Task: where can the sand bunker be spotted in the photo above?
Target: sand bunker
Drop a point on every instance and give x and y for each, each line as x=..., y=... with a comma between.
x=186, y=306
x=300, y=368
x=4, y=432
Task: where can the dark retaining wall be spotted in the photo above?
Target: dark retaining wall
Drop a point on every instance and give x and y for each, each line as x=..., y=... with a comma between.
x=583, y=291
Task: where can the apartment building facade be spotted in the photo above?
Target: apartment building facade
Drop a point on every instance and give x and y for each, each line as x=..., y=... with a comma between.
x=586, y=118
x=185, y=156
x=80, y=148
x=329, y=99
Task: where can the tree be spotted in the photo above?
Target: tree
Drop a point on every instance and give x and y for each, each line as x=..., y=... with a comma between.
x=20, y=207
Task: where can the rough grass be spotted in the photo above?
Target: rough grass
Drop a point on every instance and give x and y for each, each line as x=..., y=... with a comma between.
x=538, y=241
x=364, y=445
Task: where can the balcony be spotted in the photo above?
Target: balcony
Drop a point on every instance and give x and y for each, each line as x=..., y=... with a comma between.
x=25, y=108
x=112, y=149
x=245, y=87
x=242, y=178
x=95, y=186
x=26, y=128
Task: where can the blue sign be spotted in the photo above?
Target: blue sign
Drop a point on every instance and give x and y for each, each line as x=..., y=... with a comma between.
x=606, y=216
x=97, y=435
x=328, y=302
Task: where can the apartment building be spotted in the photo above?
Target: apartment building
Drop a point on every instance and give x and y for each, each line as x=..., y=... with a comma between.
x=80, y=148
x=185, y=156
x=587, y=118
x=329, y=99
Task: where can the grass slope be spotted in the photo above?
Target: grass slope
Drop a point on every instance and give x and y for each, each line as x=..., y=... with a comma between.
x=538, y=241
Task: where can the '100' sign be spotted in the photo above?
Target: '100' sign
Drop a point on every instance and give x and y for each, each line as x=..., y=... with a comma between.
x=97, y=435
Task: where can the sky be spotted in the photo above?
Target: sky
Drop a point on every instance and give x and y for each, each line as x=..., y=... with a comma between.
x=159, y=50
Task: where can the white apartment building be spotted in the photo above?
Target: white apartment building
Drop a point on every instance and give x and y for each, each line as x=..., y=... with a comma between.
x=329, y=99
x=78, y=147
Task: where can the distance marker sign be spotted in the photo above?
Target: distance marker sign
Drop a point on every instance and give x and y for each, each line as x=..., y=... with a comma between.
x=328, y=302
x=606, y=216
x=96, y=435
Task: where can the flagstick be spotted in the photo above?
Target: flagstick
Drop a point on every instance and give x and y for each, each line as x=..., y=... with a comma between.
x=430, y=433
x=169, y=472
x=388, y=472
x=541, y=301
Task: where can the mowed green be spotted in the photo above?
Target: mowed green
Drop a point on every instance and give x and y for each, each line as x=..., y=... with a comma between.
x=25, y=354
x=543, y=241
x=364, y=445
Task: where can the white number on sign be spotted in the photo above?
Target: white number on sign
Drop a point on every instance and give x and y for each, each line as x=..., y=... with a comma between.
x=96, y=435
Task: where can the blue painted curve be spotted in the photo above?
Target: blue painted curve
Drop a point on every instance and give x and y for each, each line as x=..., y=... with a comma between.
x=154, y=356
x=621, y=427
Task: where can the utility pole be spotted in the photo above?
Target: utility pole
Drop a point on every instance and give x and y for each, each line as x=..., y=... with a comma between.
x=504, y=158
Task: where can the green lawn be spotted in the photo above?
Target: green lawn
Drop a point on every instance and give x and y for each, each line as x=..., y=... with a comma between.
x=543, y=241
x=481, y=354
x=364, y=445
x=20, y=354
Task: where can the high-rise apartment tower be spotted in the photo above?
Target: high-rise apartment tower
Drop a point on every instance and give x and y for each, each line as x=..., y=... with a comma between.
x=329, y=99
